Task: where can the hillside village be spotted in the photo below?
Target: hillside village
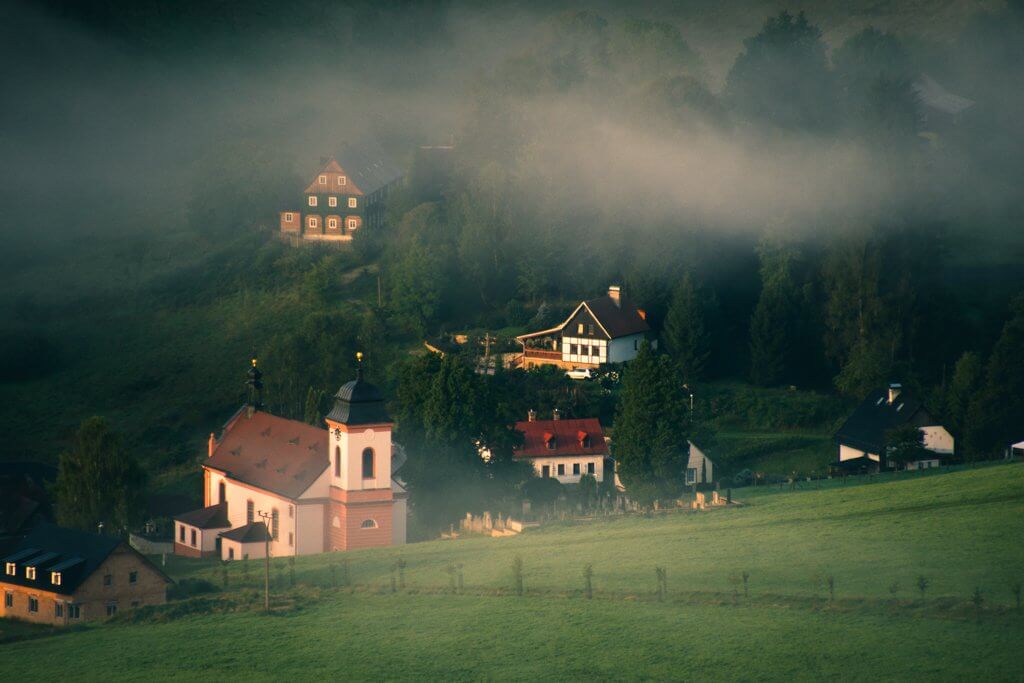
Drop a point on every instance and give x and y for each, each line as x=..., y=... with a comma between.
x=452, y=342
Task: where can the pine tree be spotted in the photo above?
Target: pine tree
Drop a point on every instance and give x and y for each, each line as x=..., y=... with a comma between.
x=777, y=337
x=996, y=417
x=651, y=428
x=967, y=382
x=99, y=481
x=311, y=413
x=688, y=325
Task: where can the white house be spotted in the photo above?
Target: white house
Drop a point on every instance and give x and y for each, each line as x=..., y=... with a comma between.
x=861, y=440
x=608, y=329
x=310, y=489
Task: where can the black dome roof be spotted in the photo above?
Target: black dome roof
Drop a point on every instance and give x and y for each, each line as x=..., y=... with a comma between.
x=359, y=402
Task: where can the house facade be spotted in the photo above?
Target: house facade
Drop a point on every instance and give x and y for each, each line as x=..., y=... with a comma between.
x=861, y=441
x=63, y=576
x=608, y=329
x=565, y=450
x=699, y=468
x=342, y=199
x=309, y=489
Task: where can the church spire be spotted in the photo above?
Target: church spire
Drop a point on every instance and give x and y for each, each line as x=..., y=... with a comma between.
x=359, y=366
x=254, y=388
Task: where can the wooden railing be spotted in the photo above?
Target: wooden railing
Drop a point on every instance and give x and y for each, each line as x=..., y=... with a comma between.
x=542, y=354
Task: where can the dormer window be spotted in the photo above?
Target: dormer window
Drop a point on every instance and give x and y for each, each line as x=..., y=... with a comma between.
x=323, y=180
x=55, y=578
x=550, y=441
x=30, y=573
x=584, y=439
x=12, y=569
x=312, y=200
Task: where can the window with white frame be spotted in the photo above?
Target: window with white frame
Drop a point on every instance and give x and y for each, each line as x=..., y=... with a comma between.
x=352, y=202
x=12, y=569
x=55, y=578
x=332, y=222
x=323, y=180
x=288, y=218
x=332, y=201
x=311, y=221
x=342, y=180
x=312, y=200
x=352, y=223
x=30, y=573
x=368, y=524
x=691, y=475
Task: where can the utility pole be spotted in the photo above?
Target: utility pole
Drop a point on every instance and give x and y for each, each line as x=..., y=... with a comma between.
x=265, y=516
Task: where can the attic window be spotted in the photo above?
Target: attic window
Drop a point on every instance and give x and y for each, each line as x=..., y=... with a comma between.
x=584, y=439
x=30, y=573
x=550, y=441
x=55, y=578
x=323, y=180
x=342, y=180
x=12, y=568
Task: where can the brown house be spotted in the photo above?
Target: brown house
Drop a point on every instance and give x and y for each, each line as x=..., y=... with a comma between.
x=343, y=196
x=63, y=576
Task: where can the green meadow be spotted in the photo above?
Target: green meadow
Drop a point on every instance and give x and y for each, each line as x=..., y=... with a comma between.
x=961, y=531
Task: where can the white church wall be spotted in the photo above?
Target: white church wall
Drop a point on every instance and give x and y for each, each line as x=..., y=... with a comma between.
x=937, y=439
x=309, y=522
x=239, y=494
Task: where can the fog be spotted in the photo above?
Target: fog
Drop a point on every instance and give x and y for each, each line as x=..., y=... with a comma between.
x=108, y=115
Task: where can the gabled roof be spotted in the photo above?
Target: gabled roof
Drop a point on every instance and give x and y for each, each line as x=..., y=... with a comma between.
x=617, y=318
x=75, y=554
x=213, y=517
x=254, y=532
x=271, y=453
x=332, y=169
x=567, y=437
x=865, y=429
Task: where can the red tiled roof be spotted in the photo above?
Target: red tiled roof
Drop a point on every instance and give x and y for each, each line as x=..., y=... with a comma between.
x=272, y=453
x=568, y=435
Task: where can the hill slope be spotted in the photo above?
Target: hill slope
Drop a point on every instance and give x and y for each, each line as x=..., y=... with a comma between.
x=961, y=531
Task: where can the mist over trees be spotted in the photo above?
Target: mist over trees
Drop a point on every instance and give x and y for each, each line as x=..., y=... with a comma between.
x=786, y=206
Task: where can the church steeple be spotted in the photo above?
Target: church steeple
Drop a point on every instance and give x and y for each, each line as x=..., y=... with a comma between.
x=358, y=402
x=254, y=388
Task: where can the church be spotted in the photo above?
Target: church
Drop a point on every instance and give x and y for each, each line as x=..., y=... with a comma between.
x=297, y=488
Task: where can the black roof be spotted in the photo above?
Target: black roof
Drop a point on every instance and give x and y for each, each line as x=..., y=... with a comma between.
x=48, y=548
x=359, y=402
x=865, y=429
x=254, y=532
x=368, y=165
x=213, y=517
x=619, y=318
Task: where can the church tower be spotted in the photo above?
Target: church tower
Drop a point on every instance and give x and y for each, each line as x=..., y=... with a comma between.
x=361, y=509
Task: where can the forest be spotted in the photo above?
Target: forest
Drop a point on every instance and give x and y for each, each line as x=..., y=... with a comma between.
x=792, y=202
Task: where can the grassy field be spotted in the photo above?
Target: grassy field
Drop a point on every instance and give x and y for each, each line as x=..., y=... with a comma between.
x=961, y=531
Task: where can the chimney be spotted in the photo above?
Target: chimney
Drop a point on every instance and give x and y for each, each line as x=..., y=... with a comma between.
x=556, y=414
x=894, y=392
x=212, y=445
x=531, y=415
x=615, y=293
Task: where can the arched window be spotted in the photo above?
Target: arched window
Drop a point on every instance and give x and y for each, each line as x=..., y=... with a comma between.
x=275, y=518
x=337, y=461
x=368, y=524
x=367, y=463
x=221, y=492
